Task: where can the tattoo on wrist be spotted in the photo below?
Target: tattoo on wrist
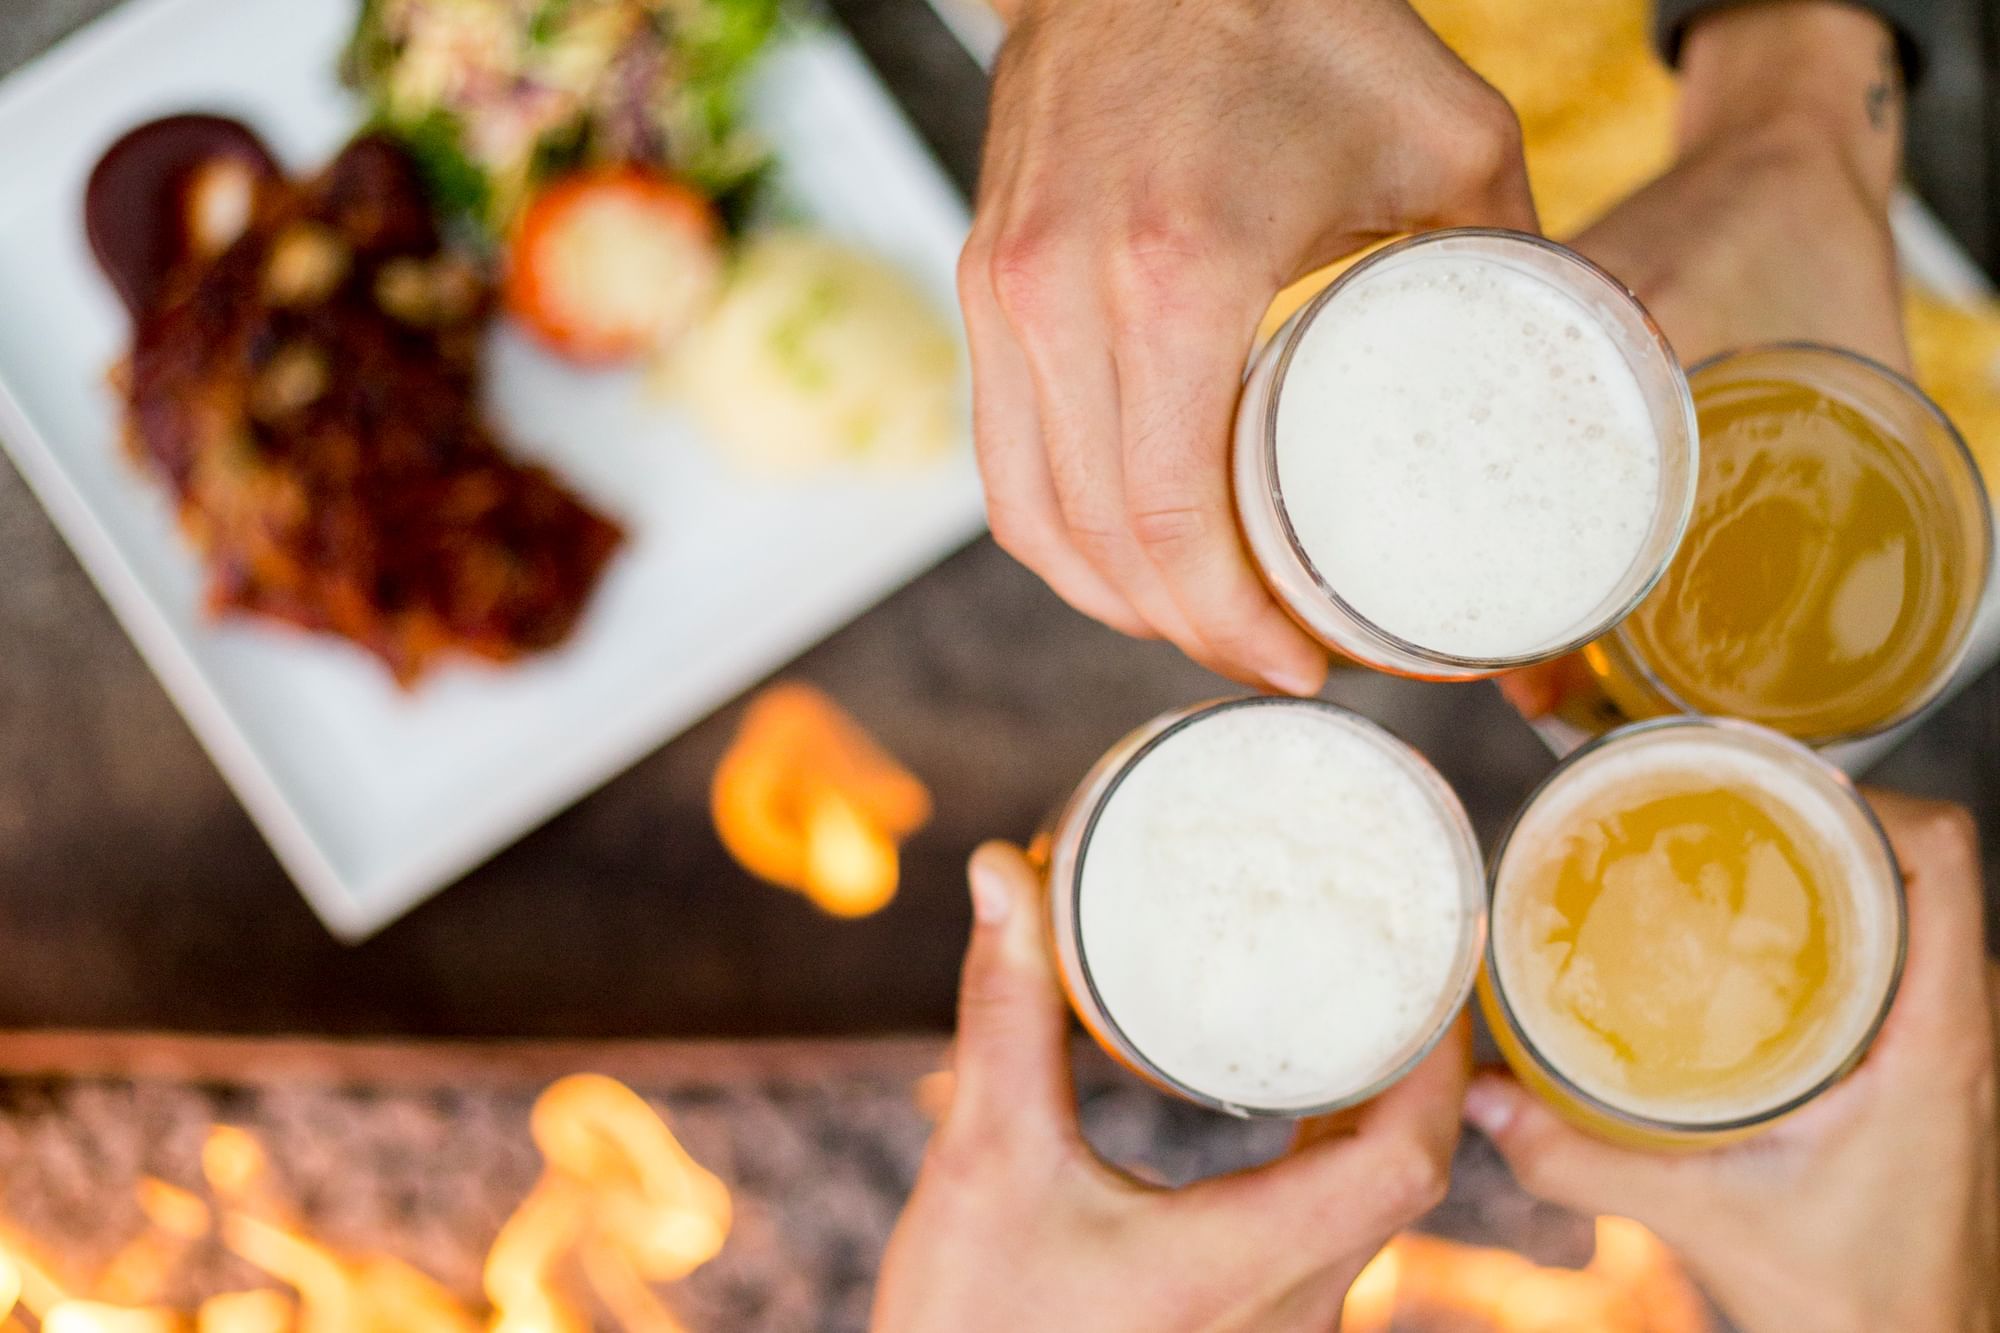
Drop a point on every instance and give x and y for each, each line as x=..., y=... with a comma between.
x=1886, y=92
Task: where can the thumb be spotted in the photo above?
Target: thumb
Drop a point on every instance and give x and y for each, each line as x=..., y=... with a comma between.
x=1553, y=1160
x=1352, y=1180
x=1011, y=1057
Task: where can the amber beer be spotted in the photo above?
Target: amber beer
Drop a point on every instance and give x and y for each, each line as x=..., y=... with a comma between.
x=1829, y=578
x=1697, y=926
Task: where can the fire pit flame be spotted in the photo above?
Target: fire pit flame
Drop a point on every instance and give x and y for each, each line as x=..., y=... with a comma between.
x=620, y=1206
x=1632, y=1284
x=806, y=799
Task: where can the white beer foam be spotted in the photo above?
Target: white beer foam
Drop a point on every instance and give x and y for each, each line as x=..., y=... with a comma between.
x=1466, y=455
x=1271, y=907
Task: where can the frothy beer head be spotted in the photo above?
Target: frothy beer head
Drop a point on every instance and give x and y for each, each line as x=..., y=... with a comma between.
x=1479, y=448
x=1695, y=925
x=1274, y=906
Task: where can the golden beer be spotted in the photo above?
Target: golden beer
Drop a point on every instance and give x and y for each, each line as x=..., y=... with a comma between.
x=1839, y=547
x=1696, y=926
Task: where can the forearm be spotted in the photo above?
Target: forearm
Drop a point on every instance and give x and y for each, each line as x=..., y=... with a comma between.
x=1815, y=69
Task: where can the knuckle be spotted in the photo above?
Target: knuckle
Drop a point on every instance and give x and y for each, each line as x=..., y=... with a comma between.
x=1413, y=1179
x=1103, y=544
x=987, y=997
x=1478, y=141
x=1022, y=276
x=1169, y=527
x=1154, y=271
x=975, y=270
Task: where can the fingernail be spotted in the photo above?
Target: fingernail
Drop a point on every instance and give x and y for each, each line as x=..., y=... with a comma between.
x=1490, y=1106
x=991, y=901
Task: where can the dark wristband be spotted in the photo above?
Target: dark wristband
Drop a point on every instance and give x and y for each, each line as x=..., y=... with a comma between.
x=1913, y=21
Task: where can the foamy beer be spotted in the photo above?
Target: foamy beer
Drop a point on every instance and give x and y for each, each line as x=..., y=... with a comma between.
x=1269, y=906
x=1472, y=451
x=1839, y=547
x=1697, y=927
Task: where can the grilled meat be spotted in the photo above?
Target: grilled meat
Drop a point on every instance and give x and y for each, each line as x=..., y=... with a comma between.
x=310, y=395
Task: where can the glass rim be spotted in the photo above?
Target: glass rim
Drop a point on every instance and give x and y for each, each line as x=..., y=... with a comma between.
x=1268, y=445
x=1961, y=455
x=1864, y=1040
x=1472, y=933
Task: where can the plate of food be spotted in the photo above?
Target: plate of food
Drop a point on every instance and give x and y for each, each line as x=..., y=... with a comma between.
x=456, y=398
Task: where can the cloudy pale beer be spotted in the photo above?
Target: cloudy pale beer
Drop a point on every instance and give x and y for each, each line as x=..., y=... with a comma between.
x=1472, y=451
x=1834, y=564
x=1696, y=927
x=1269, y=906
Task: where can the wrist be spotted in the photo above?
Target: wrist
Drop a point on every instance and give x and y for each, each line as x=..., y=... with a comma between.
x=1809, y=72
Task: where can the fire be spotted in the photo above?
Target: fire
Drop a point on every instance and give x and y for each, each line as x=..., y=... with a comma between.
x=621, y=1206
x=1631, y=1285
x=806, y=799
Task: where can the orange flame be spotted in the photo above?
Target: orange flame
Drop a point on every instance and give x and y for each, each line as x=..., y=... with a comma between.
x=621, y=1207
x=264, y=1311
x=232, y=1161
x=1632, y=1284
x=806, y=799
x=620, y=1195
x=138, y=1272
x=620, y=1203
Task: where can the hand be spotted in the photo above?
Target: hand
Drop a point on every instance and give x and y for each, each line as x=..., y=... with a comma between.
x=1015, y=1224
x=1773, y=223
x=1153, y=175
x=1877, y=1207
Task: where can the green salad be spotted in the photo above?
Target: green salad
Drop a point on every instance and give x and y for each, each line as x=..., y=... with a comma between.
x=494, y=97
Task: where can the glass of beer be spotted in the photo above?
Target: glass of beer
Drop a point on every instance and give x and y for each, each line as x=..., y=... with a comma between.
x=1472, y=451
x=1269, y=906
x=1829, y=579
x=1697, y=927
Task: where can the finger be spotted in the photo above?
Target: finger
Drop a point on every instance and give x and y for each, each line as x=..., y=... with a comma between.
x=1505, y=202
x=1011, y=1060
x=1493, y=174
x=1055, y=320
x=1349, y=1191
x=1179, y=357
x=1539, y=690
x=1020, y=498
x=1993, y=999
x=1428, y=1105
x=1534, y=691
x=1937, y=846
x=1552, y=1160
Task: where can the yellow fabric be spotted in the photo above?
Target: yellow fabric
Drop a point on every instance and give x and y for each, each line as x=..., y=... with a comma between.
x=1597, y=118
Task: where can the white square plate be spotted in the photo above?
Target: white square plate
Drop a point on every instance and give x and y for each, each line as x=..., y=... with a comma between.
x=374, y=798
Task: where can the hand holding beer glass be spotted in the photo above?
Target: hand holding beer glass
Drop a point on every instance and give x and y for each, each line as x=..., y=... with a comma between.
x=1152, y=174
x=1876, y=1206
x=1015, y=1224
x=1771, y=228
